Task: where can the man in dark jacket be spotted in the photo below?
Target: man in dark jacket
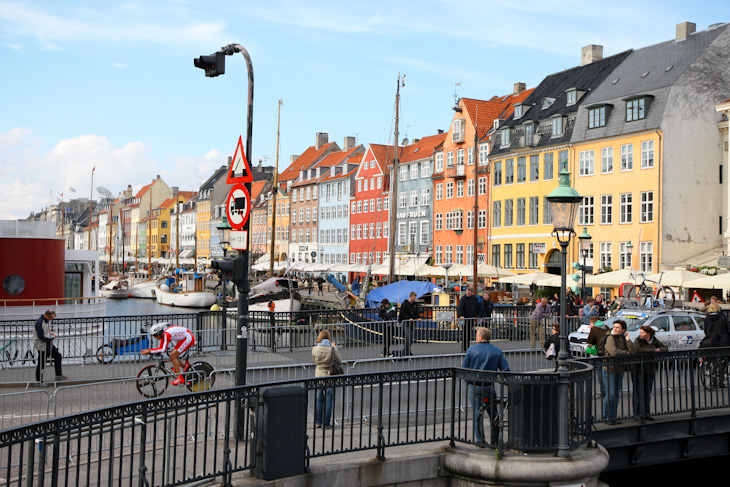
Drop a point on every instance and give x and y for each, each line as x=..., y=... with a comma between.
x=388, y=315
x=717, y=328
x=617, y=344
x=468, y=309
x=643, y=373
x=46, y=348
x=408, y=314
x=487, y=306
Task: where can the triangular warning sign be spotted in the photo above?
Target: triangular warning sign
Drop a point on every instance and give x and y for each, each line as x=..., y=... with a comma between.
x=696, y=298
x=240, y=170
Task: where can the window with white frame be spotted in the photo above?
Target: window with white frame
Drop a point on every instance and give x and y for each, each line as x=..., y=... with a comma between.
x=509, y=171
x=647, y=207
x=482, y=219
x=403, y=199
x=521, y=169
x=534, y=210
x=535, y=167
x=521, y=210
x=647, y=154
x=626, y=208
x=482, y=185
x=547, y=166
x=504, y=138
x=605, y=249
x=378, y=229
x=470, y=156
x=470, y=187
x=585, y=211
x=459, y=256
x=414, y=171
x=606, y=160
x=439, y=191
x=425, y=239
x=460, y=188
x=646, y=256
x=425, y=170
x=627, y=157
x=402, y=234
x=413, y=198
x=606, y=209
x=425, y=196
x=508, y=212
x=372, y=205
x=439, y=162
x=450, y=159
x=403, y=173
x=439, y=221
x=438, y=254
x=496, y=213
x=449, y=254
x=483, y=153
x=624, y=255
x=460, y=157
x=469, y=255
x=449, y=190
x=497, y=174
x=457, y=130
x=586, y=163
x=556, y=126
x=469, y=220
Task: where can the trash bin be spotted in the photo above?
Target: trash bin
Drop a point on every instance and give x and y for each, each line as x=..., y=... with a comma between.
x=533, y=416
x=279, y=426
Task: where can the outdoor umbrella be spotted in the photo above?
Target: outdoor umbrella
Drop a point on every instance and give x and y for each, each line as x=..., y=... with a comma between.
x=485, y=270
x=527, y=279
x=677, y=278
x=720, y=281
x=616, y=278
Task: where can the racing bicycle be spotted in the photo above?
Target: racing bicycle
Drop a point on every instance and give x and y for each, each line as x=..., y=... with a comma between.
x=714, y=372
x=646, y=294
x=153, y=379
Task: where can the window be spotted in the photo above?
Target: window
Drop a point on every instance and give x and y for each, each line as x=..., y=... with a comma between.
x=470, y=156
x=625, y=207
x=607, y=160
x=449, y=190
x=459, y=188
x=425, y=171
x=425, y=196
x=535, y=168
x=496, y=254
x=521, y=169
x=439, y=221
x=571, y=96
x=457, y=130
x=627, y=157
x=547, y=166
x=439, y=191
x=521, y=211
x=482, y=219
x=520, y=256
x=647, y=154
x=606, y=209
x=635, y=109
x=459, y=257
x=596, y=117
x=605, y=256
x=439, y=162
x=449, y=255
x=534, y=210
x=460, y=157
x=403, y=199
x=624, y=255
x=547, y=215
x=497, y=174
x=585, y=211
x=586, y=163
x=519, y=110
x=646, y=256
x=509, y=171
x=482, y=185
x=529, y=130
x=496, y=213
x=647, y=207
x=508, y=255
x=508, y=212
x=450, y=159
x=402, y=175
x=532, y=264
x=413, y=198
x=556, y=125
x=483, y=153
x=438, y=254
x=425, y=239
x=414, y=171
x=470, y=220
x=402, y=235
x=504, y=139
x=470, y=187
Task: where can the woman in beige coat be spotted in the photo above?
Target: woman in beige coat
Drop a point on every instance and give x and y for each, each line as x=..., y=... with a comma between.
x=324, y=353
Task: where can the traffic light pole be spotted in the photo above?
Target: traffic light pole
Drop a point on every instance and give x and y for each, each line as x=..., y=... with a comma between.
x=243, y=287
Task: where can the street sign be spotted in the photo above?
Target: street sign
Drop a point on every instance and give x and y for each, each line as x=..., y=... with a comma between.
x=239, y=239
x=238, y=206
x=240, y=170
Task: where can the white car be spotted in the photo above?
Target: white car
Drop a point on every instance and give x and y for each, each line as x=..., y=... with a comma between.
x=678, y=329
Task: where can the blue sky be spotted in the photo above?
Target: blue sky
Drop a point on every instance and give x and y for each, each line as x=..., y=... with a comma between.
x=112, y=86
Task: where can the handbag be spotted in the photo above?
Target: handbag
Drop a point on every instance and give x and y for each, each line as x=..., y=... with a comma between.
x=550, y=352
x=335, y=368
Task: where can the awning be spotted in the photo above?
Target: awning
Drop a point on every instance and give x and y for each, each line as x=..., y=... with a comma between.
x=706, y=258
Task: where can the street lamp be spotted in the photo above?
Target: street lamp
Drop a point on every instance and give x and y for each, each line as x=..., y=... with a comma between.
x=585, y=246
x=224, y=234
x=564, y=203
x=446, y=267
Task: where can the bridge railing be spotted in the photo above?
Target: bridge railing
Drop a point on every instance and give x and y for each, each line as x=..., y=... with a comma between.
x=194, y=437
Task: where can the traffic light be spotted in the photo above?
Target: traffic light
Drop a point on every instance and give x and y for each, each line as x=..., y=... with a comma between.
x=233, y=269
x=214, y=64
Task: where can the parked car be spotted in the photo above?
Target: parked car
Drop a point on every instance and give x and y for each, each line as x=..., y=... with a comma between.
x=679, y=329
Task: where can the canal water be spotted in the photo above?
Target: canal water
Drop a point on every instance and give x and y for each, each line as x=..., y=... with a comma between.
x=139, y=306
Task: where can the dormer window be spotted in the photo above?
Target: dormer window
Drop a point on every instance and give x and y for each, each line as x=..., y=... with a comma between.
x=519, y=111
x=571, y=96
x=504, y=138
x=556, y=126
x=529, y=131
x=636, y=108
x=457, y=130
x=547, y=102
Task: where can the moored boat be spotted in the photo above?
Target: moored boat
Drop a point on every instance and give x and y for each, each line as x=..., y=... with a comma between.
x=186, y=290
x=118, y=289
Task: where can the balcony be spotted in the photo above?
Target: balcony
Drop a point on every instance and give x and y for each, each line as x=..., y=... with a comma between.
x=456, y=172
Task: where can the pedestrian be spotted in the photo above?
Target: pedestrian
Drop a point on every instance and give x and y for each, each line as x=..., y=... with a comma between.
x=600, y=306
x=487, y=305
x=484, y=356
x=46, y=348
x=590, y=309
x=552, y=344
x=717, y=328
x=407, y=317
x=320, y=287
x=388, y=314
x=538, y=320
x=617, y=343
x=324, y=354
x=643, y=374
x=468, y=311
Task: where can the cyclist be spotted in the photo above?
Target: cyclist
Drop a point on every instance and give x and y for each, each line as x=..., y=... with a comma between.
x=183, y=339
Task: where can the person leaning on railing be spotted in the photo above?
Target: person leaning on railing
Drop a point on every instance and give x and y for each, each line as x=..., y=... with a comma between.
x=484, y=356
x=617, y=343
x=538, y=318
x=46, y=348
x=642, y=375
x=324, y=353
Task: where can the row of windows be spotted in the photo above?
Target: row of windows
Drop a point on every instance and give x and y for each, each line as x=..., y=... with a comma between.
x=455, y=220
x=456, y=254
x=459, y=187
x=374, y=204
x=414, y=233
x=636, y=109
x=526, y=168
x=587, y=159
x=368, y=231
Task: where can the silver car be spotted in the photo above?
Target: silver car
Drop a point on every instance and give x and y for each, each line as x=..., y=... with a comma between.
x=678, y=329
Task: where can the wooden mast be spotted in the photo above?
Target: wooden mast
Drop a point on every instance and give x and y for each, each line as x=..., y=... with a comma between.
x=274, y=191
x=392, y=204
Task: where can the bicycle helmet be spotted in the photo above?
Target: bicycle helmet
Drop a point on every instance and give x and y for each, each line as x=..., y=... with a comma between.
x=158, y=328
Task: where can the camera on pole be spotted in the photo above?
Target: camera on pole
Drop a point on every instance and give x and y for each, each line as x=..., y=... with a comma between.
x=232, y=268
x=214, y=64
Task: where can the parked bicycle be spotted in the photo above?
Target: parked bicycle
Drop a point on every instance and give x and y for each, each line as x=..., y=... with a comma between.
x=651, y=293
x=123, y=346
x=153, y=379
x=11, y=352
x=499, y=418
x=714, y=372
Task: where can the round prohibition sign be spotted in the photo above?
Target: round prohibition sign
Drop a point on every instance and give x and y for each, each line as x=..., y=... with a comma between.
x=238, y=206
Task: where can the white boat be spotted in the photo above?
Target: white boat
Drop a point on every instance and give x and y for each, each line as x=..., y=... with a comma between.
x=274, y=289
x=187, y=291
x=117, y=289
x=145, y=289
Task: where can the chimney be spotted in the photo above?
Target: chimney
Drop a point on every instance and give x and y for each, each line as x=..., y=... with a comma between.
x=175, y=191
x=230, y=159
x=684, y=30
x=292, y=158
x=591, y=54
x=518, y=88
x=321, y=139
x=349, y=143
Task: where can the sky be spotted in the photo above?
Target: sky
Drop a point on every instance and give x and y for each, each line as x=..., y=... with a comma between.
x=105, y=94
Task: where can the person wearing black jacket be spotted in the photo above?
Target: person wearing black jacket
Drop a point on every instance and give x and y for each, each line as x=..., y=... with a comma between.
x=717, y=328
x=467, y=308
x=388, y=315
x=408, y=314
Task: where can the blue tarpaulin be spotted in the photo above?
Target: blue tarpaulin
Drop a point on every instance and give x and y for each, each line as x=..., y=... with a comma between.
x=399, y=292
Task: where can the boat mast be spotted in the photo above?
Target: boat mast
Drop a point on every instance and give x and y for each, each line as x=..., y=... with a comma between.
x=274, y=191
x=394, y=186
x=149, y=240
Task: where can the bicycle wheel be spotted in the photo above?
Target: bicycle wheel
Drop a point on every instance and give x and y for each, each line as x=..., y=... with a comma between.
x=152, y=381
x=200, y=377
x=105, y=354
x=666, y=295
x=708, y=374
x=638, y=295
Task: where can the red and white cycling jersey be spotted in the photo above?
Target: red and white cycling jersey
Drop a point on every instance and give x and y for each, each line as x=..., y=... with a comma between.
x=179, y=335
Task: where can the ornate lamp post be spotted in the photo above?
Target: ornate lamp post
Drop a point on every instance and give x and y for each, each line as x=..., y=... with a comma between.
x=224, y=234
x=564, y=202
x=585, y=246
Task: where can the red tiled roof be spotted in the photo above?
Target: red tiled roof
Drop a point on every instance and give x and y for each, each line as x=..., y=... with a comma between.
x=384, y=154
x=483, y=113
x=304, y=161
x=256, y=188
x=422, y=148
